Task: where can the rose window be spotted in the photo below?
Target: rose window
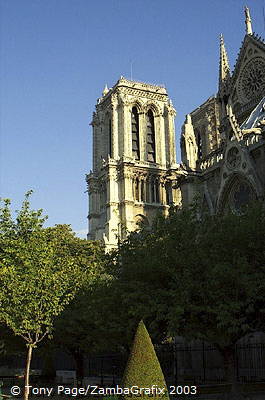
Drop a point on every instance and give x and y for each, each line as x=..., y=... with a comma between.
x=252, y=80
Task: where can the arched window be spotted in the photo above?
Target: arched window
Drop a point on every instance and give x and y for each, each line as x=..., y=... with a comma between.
x=147, y=191
x=135, y=134
x=151, y=147
x=157, y=187
x=142, y=194
x=237, y=195
x=141, y=221
x=103, y=195
x=168, y=192
x=137, y=189
x=153, y=191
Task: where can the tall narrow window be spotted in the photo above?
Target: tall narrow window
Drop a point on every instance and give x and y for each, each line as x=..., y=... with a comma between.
x=157, y=187
x=142, y=190
x=147, y=191
x=103, y=196
x=199, y=144
x=151, y=152
x=135, y=134
x=153, y=191
x=110, y=139
x=137, y=190
x=168, y=192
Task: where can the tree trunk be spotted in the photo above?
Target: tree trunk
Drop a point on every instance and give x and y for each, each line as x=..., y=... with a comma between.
x=79, y=363
x=26, y=388
x=229, y=355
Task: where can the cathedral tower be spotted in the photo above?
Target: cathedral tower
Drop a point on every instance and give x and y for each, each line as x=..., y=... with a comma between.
x=134, y=159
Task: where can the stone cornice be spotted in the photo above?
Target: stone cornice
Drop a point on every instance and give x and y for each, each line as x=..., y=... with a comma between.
x=123, y=82
x=143, y=93
x=128, y=202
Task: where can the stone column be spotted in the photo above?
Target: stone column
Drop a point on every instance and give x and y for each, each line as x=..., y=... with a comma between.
x=162, y=192
x=171, y=136
x=128, y=201
x=162, y=140
x=112, y=208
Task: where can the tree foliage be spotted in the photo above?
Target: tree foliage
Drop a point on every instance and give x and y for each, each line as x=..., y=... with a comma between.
x=41, y=271
x=37, y=278
x=199, y=278
x=81, y=328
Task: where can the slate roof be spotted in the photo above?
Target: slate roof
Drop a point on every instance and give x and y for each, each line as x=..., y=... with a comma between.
x=257, y=115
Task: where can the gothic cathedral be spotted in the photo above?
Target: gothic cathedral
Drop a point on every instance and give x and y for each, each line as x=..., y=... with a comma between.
x=135, y=174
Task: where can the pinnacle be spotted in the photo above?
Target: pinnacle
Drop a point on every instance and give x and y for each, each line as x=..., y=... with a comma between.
x=105, y=91
x=224, y=68
x=188, y=119
x=249, y=30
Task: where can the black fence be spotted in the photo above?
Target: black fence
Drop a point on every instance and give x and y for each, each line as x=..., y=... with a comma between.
x=199, y=364
x=108, y=368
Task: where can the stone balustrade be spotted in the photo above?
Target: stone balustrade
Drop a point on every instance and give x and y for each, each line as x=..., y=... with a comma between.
x=211, y=160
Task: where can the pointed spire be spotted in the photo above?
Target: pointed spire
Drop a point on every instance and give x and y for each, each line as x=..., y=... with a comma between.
x=224, y=69
x=188, y=119
x=105, y=91
x=248, y=22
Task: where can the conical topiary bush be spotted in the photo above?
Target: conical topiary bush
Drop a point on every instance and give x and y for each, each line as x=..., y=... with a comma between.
x=143, y=369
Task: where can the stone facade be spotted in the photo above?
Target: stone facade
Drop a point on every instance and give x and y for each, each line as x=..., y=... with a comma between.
x=222, y=141
x=135, y=174
x=134, y=159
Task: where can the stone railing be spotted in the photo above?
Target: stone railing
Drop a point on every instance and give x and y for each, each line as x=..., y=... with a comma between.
x=252, y=138
x=249, y=139
x=211, y=160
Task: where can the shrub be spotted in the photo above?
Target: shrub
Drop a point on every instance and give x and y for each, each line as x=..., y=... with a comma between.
x=143, y=369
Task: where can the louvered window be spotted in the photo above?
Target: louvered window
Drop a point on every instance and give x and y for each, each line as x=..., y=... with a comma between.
x=151, y=153
x=135, y=134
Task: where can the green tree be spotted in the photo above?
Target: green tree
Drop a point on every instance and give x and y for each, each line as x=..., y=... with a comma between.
x=224, y=285
x=39, y=275
x=82, y=328
x=143, y=369
x=143, y=281
x=202, y=279
x=92, y=322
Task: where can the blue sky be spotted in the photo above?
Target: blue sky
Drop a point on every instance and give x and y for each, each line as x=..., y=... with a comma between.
x=56, y=57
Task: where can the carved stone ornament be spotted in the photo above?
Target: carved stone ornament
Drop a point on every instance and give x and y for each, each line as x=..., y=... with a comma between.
x=233, y=158
x=114, y=100
x=252, y=79
x=153, y=96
